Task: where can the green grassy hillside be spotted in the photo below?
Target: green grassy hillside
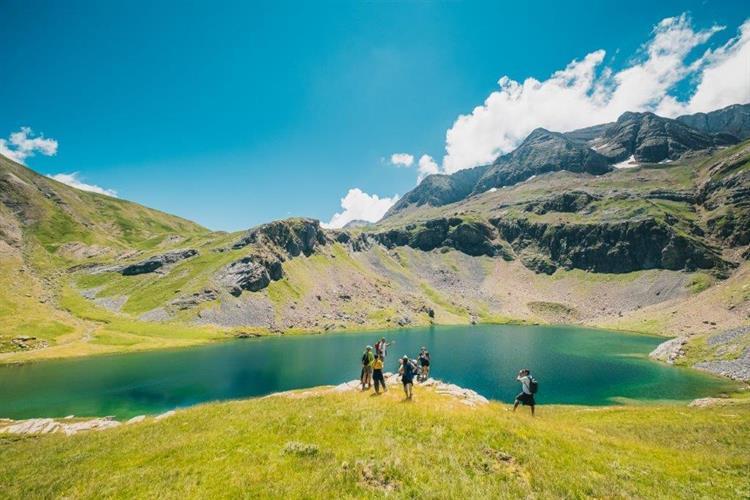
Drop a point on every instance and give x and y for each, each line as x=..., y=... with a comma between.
x=354, y=445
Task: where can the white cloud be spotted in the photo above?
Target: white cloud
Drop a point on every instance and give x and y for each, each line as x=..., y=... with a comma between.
x=426, y=166
x=725, y=79
x=584, y=93
x=402, y=159
x=359, y=205
x=73, y=180
x=22, y=144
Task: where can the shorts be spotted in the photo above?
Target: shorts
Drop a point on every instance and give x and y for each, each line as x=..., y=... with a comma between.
x=526, y=399
x=407, y=381
x=425, y=364
x=367, y=370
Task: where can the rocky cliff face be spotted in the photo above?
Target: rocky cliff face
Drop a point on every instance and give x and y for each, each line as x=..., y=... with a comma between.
x=438, y=190
x=293, y=236
x=646, y=137
x=734, y=120
x=542, y=152
x=470, y=237
x=619, y=247
x=650, y=139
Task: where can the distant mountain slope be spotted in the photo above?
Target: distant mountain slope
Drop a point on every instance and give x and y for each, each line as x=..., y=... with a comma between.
x=541, y=152
x=70, y=223
x=440, y=189
x=645, y=137
x=734, y=120
x=649, y=138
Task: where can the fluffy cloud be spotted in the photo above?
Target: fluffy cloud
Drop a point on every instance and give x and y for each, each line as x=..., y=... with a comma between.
x=725, y=78
x=22, y=144
x=402, y=159
x=359, y=205
x=73, y=180
x=426, y=166
x=584, y=93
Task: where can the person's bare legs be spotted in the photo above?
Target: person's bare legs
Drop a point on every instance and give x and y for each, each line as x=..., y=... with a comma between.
x=532, y=410
x=515, y=405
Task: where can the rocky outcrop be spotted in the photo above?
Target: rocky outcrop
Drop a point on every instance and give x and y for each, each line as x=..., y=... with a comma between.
x=158, y=261
x=251, y=273
x=470, y=237
x=651, y=139
x=734, y=120
x=542, y=152
x=440, y=189
x=617, y=247
x=51, y=426
x=293, y=236
x=670, y=351
x=465, y=396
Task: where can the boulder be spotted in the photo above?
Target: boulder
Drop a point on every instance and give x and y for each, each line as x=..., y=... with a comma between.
x=251, y=273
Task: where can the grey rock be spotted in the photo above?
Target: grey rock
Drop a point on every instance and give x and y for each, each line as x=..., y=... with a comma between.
x=734, y=120
x=252, y=273
x=158, y=261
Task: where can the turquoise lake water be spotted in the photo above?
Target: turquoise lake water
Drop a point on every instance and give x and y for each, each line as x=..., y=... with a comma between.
x=573, y=365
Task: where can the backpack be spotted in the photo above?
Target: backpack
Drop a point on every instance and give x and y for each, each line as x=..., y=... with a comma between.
x=533, y=386
x=365, y=359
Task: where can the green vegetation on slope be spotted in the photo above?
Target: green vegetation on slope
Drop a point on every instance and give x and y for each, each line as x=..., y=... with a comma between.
x=352, y=445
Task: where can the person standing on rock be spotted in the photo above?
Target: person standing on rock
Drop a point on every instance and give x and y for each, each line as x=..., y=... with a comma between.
x=528, y=388
x=424, y=364
x=381, y=348
x=377, y=374
x=367, y=359
x=407, y=371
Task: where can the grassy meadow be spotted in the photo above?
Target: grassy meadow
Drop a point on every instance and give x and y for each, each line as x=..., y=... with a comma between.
x=352, y=445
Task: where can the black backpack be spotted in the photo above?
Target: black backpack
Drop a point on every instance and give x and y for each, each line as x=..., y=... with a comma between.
x=533, y=386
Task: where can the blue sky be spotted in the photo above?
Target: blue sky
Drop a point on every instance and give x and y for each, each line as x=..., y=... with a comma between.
x=236, y=113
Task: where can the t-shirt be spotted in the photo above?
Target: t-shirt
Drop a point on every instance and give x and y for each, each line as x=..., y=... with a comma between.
x=367, y=358
x=525, y=384
x=408, y=374
x=377, y=364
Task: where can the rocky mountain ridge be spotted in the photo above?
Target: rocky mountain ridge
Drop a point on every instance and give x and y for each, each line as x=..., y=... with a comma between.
x=637, y=137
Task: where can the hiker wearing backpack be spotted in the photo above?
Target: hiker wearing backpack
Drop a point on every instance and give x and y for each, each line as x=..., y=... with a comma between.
x=407, y=371
x=424, y=364
x=528, y=388
x=366, y=375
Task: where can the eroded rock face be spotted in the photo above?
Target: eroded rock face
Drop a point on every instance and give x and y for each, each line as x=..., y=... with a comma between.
x=651, y=139
x=542, y=152
x=470, y=237
x=152, y=264
x=734, y=120
x=293, y=236
x=617, y=247
x=250, y=273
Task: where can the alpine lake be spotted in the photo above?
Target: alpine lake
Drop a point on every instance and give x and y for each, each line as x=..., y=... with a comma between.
x=573, y=365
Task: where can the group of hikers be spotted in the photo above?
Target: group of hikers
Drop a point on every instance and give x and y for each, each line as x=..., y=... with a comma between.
x=373, y=361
